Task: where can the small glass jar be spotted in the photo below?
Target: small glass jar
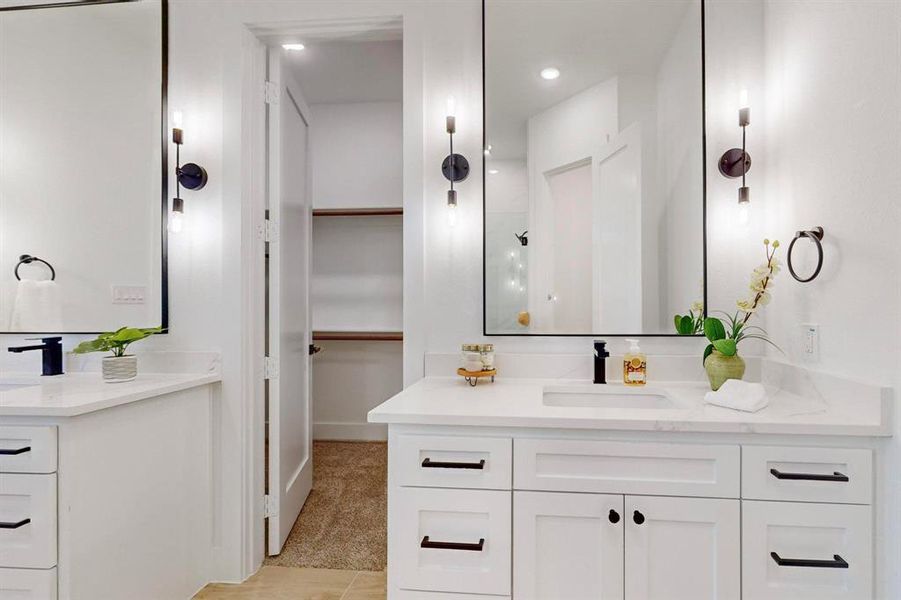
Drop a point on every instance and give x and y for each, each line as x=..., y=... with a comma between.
x=486, y=354
x=471, y=358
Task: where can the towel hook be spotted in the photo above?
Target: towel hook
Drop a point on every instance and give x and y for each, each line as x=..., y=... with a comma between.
x=816, y=236
x=27, y=259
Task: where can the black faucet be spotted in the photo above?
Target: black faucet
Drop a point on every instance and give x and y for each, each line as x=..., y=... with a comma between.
x=600, y=361
x=52, y=351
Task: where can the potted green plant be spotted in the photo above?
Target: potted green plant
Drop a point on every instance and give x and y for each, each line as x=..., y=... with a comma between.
x=721, y=358
x=120, y=366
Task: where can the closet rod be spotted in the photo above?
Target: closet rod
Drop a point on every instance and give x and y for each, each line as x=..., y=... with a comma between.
x=357, y=212
x=360, y=336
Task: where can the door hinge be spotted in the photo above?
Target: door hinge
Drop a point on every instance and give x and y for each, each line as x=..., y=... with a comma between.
x=268, y=231
x=270, y=92
x=270, y=367
x=270, y=506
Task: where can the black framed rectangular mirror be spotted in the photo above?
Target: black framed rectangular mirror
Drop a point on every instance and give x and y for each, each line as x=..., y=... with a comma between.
x=83, y=166
x=594, y=166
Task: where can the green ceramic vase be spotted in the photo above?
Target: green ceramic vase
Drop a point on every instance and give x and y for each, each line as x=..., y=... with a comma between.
x=720, y=367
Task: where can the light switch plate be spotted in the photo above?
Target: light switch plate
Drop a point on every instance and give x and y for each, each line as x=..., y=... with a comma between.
x=810, y=342
x=129, y=294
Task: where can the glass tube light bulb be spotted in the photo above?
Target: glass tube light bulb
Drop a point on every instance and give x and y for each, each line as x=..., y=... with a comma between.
x=451, y=208
x=178, y=119
x=176, y=222
x=743, y=98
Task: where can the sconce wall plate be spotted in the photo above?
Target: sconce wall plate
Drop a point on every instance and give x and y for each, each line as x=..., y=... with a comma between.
x=734, y=163
x=455, y=167
x=192, y=176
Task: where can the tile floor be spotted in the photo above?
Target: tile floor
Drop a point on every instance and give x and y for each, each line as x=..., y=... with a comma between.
x=288, y=583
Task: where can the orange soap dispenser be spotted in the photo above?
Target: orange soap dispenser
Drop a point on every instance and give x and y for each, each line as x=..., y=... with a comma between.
x=635, y=365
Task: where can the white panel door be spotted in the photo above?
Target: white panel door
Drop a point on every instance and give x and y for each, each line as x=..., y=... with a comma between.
x=682, y=548
x=290, y=211
x=567, y=546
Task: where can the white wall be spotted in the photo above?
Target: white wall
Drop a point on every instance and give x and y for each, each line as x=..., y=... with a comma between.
x=831, y=146
x=357, y=149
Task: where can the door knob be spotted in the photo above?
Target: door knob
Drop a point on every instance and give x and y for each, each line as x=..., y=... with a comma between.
x=314, y=349
x=638, y=517
x=613, y=516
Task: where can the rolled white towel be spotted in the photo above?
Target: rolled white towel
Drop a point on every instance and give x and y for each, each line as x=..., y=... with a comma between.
x=739, y=395
x=37, y=307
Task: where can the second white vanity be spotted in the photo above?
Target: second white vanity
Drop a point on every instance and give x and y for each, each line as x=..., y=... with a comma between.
x=106, y=490
x=551, y=489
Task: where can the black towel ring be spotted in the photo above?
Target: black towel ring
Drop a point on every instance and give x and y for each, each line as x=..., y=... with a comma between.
x=816, y=236
x=27, y=259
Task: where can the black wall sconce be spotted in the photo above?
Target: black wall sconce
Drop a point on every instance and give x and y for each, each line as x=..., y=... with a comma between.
x=455, y=167
x=189, y=175
x=736, y=162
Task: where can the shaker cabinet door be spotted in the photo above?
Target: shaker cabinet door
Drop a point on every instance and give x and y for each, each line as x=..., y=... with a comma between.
x=682, y=548
x=567, y=546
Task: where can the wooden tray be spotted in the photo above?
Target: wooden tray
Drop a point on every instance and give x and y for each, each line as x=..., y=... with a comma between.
x=472, y=377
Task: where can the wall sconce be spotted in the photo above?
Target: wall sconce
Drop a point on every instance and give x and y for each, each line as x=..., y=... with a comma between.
x=455, y=167
x=736, y=162
x=190, y=175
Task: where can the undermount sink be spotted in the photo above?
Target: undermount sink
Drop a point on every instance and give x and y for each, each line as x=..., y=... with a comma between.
x=601, y=396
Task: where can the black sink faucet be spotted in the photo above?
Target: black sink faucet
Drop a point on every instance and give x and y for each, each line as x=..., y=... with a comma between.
x=600, y=361
x=52, y=351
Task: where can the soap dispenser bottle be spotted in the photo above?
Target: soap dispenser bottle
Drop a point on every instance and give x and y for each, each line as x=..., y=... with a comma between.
x=635, y=365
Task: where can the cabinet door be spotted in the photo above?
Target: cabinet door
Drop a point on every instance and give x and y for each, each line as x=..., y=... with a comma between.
x=567, y=546
x=682, y=548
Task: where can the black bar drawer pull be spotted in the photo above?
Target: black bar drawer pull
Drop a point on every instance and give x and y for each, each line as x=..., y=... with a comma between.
x=14, y=452
x=427, y=543
x=428, y=463
x=15, y=525
x=836, y=476
x=837, y=562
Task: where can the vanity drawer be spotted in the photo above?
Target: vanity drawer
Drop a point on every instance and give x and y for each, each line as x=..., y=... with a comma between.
x=627, y=468
x=825, y=551
x=807, y=474
x=27, y=449
x=28, y=584
x=27, y=520
x=451, y=540
x=454, y=462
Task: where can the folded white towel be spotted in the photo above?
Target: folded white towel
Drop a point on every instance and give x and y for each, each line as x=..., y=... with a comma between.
x=38, y=307
x=739, y=395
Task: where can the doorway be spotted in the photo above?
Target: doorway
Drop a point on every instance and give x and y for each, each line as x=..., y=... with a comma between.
x=334, y=299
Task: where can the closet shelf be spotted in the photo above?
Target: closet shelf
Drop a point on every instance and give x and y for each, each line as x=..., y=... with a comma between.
x=361, y=336
x=358, y=212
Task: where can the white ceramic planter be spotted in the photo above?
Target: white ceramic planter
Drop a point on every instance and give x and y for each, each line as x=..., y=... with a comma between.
x=117, y=369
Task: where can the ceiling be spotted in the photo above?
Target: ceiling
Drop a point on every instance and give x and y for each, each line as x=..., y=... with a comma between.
x=349, y=71
x=587, y=40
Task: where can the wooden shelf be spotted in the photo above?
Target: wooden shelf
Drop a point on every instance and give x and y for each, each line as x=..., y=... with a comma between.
x=357, y=212
x=359, y=336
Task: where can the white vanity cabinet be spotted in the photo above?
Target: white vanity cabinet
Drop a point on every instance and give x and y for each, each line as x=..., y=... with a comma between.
x=545, y=515
x=108, y=497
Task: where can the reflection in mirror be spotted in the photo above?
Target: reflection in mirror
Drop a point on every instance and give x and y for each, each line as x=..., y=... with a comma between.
x=594, y=148
x=81, y=166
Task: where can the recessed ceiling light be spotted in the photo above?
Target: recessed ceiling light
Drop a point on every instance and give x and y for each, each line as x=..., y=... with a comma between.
x=293, y=46
x=550, y=73
x=493, y=171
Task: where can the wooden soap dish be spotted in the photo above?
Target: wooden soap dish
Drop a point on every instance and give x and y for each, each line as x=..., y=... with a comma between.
x=472, y=377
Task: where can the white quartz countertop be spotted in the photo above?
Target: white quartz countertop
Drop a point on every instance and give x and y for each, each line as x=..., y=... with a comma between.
x=76, y=394
x=519, y=403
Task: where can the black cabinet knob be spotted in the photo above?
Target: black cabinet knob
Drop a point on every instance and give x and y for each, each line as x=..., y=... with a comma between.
x=638, y=517
x=613, y=516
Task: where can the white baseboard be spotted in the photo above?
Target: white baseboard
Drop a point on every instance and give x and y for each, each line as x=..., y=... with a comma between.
x=357, y=432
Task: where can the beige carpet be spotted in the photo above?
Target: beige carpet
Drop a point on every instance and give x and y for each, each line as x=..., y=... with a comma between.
x=344, y=521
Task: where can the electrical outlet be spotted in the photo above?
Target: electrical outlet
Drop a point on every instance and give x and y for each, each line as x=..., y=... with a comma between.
x=810, y=342
x=129, y=294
